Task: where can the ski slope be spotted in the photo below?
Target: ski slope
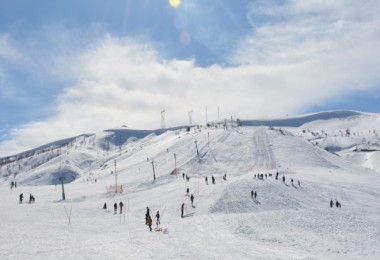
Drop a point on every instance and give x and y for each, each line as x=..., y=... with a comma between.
x=286, y=221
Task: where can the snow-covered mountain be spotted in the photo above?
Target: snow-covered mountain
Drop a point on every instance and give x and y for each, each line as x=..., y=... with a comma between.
x=333, y=155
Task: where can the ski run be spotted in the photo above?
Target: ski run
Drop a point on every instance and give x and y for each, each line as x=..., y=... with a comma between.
x=328, y=159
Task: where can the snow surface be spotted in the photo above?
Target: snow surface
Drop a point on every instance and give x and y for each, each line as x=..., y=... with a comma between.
x=286, y=221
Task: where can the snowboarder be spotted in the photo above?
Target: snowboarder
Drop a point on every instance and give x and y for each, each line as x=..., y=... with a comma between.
x=192, y=199
x=251, y=194
x=147, y=215
x=121, y=207
x=105, y=205
x=331, y=203
x=115, y=208
x=149, y=223
x=187, y=191
x=158, y=218
x=21, y=197
x=182, y=209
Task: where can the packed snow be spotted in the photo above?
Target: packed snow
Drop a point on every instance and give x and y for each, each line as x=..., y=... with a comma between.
x=287, y=220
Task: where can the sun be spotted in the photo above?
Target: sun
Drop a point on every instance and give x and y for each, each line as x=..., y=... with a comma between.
x=174, y=3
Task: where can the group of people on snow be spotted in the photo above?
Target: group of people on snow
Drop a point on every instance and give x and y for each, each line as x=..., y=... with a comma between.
x=32, y=199
x=337, y=204
x=253, y=194
x=121, y=205
x=148, y=218
x=13, y=184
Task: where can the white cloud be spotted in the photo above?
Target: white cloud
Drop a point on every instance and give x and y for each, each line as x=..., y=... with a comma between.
x=316, y=51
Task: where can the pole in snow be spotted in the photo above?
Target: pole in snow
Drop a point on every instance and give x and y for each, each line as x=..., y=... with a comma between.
x=196, y=146
x=115, y=177
x=62, y=178
x=175, y=164
x=154, y=173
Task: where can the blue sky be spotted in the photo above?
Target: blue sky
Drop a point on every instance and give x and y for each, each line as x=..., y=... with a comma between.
x=72, y=67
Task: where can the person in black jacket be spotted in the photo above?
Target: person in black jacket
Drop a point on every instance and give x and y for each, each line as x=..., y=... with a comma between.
x=158, y=218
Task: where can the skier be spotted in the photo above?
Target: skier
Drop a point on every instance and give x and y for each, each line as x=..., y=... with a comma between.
x=255, y=176
x=331, y=203
x=255, y=194
x=291, y=181
x=115, y=208
x=149, y=223
x=192, y=200
x=251, y=194
x=337, y=204
x=266, y=176
x=276, y=175
x=21, y=197
x=158, y=218
x=213, y=179
x=105, y=205
x=299, y=183
x=206, y=180
x=187, y=191
x=182, y=209
x=283, y=179
x=121, y=207
x=147, y=215
x=183, y=175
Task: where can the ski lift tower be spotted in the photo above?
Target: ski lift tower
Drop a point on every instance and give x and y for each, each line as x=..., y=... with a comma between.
x=163, y=119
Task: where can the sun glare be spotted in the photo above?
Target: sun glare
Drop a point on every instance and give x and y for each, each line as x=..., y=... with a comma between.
x=174, y=3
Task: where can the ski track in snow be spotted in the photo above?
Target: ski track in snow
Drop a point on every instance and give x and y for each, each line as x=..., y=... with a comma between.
x=286, y=221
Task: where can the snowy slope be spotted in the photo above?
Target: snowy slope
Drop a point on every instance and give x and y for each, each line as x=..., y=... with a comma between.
x=286, y=221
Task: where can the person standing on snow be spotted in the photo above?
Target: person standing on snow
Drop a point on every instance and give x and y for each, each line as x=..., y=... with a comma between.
x=251, y=194
x=331, y=203
x=147, y=215
x=158, y=218
x=21, y=197
x=182, y=209
x=115, y=208
x=121, y=207
x=192, y=200
x=149, y=223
